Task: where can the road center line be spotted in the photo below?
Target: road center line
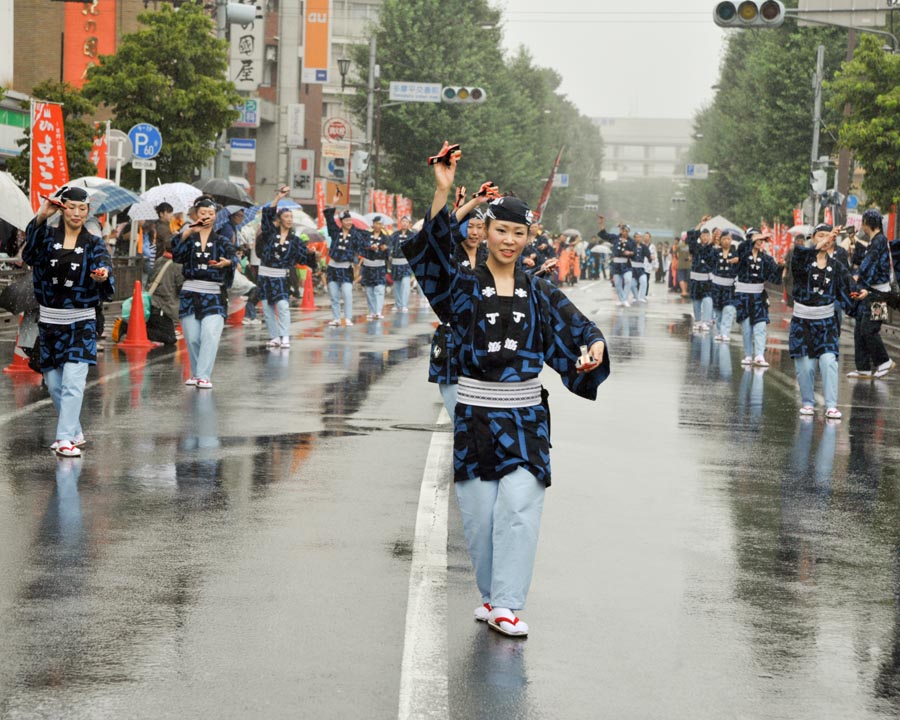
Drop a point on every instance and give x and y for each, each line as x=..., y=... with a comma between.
x=424, y=681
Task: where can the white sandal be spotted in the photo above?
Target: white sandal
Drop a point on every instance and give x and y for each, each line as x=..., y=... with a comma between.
x=504, y=621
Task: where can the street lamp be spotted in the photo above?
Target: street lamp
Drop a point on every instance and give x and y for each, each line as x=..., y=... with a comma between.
x=344, y=68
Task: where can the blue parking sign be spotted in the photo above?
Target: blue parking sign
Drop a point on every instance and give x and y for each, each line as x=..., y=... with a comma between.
x=146, y=141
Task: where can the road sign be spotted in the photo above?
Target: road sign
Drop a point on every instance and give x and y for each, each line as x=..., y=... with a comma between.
x=591, y=198
x=699, y=171
x=138, y=164
x=561, y=180
x=336, y=129
x=852, y=202
x=243, y=150
x=146, y=141
x=119, y=147
x=415, y=92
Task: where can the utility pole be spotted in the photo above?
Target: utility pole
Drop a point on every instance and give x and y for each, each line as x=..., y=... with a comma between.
x=842, y=181
x=817, y=122
x=370, y=121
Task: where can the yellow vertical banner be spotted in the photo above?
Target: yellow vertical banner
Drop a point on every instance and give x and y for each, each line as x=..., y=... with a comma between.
x=316, y=41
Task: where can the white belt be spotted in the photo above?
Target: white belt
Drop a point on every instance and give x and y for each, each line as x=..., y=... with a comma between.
x=750, y=288
x=882, y=287
x=813, y=312
x=637, y=267
x=620, y=260
x=498, y=394
x=203, y=286
x=723, y=281
x=399, y=261
x=265, y=271
x=699, y=276
x=66, y=316
x=338, y=265
x=372, y=263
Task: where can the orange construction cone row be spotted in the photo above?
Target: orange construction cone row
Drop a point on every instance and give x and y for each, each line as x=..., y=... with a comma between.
x=309, y=300
x=136, y=336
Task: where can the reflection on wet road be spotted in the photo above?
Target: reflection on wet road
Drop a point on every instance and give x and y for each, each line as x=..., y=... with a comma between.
x=705, y=552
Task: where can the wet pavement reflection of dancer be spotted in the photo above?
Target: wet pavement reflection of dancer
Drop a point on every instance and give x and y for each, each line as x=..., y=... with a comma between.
x=72, y=275
x=506, y=326
x=280, y=251
x=207, y=262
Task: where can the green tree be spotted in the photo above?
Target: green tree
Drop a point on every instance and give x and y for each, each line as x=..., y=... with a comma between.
x=512, y=138
x=170, y=74
x=870, y=84
x=79, y=133
x=757, y=133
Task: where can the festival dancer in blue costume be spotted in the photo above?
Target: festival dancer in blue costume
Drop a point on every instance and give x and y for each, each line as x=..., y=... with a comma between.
x=375, y=253
x=623, y=249
x=207, y=262
x=699, y=241
x=755, y=268
x=870, y=356
x=724, y=271
x=506, y=325
x=400, y=270
x=280, y=251
x=822, y=287
x=72, y=275
x=346, y=245
x=639, y=276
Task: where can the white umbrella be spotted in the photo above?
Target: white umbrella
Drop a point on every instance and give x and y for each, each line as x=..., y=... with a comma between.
x=385, y=219
x=178, y=194
x=801, y=230
x=143, y=211
x=721, y=222
x=14, y=205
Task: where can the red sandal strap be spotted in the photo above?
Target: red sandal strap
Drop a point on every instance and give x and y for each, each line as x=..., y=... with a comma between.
x=512, y=622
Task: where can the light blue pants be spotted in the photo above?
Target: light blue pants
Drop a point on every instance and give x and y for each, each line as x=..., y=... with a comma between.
x=401, y=293
x=202, y=340
x=501, y=520
x=622, y=284
x=724, y=320
x=337, y=290
x=375, y=299
x=754, y=338
x=448, y=393
x=66, y=386
x=278, y=318
x=703, y=309
x=639, y=286
x=805, y=369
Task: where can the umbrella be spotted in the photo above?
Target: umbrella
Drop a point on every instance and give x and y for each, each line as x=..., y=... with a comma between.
x=572, y=232
x=224, y=191
x=801, y=230
x=385, y=219
x=110, y=198
x=14, y=205
x=18, y=296
x=721, y=222
x=178, y=194
x=143, y=211
x=359, y=221
x=601, y=249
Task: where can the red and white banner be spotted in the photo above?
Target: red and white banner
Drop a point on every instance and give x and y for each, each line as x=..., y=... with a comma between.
x=545, y=195
x=49, y=166
x=798, y=216
x=99, y=152
x=390, y=206
x=320, y=203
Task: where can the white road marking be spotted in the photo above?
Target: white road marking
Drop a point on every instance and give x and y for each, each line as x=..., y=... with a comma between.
x=424, y=674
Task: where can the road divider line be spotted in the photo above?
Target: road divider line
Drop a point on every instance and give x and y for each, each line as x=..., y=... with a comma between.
x=424, y=673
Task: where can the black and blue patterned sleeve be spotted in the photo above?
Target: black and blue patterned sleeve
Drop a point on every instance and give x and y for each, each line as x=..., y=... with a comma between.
x=100, y=259
x=566, y=330
x=35, y=239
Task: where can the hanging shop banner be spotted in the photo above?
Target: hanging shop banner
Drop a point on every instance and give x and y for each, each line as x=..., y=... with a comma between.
x=320, y=204
x=337, y=193
x=90, y=32
x=246, y=53
x=316, y=41
x=49, y=165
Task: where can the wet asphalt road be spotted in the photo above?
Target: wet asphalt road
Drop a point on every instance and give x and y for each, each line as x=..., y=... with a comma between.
x=245, y=552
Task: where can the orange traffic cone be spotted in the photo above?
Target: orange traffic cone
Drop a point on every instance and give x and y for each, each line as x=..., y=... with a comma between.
x=137, y=325
x=19, y=364
x=236, y=318
x=309, y=300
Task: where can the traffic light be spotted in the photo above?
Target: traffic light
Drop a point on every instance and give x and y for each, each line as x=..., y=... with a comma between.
x=749, y=13
x=451, y=94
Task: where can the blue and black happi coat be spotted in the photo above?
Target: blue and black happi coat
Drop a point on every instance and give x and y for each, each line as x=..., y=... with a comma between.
x=701, y=262
x=619, y=248
x=276, y=254
x=372, y=276
x=62, y=280
x=759, y=268
x=194, y=259
x=499, y=344
x=816, y=286
x=723, y=295
x=402, y=270
x=874, y=269
x=342, y=249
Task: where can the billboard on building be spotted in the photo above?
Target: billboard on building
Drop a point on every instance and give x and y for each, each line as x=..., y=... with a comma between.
x=90, y=31
x=316, y=41
x=246, y=53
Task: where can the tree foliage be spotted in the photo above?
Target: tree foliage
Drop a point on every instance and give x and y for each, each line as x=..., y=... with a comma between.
x=756, y=135
x=512, y=138
x=79, y=133
x=870, y=84
x=170, y=74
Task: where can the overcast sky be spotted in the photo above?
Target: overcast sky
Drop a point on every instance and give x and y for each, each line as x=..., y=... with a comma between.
x=632, y=58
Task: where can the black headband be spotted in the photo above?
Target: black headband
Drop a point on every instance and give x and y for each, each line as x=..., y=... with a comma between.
x=823, y=227
x=73, y=194
x=510, y=209
x=204, y=203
